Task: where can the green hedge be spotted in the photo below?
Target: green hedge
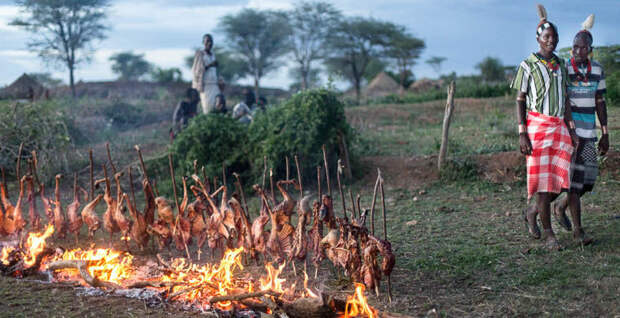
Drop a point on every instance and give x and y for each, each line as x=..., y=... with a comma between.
x=298, y=126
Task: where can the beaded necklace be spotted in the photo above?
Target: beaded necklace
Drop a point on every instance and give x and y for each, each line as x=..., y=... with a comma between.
x=552, y=64
x=579, y=75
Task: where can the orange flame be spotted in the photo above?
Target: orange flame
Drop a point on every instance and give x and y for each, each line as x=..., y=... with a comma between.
x=272, y=281
x=35, y=244
x=5, y=254
x=308, y=291
x=357, y=305
x=104, y=264
x=207, y=280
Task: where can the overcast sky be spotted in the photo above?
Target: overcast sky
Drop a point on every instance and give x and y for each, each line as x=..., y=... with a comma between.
x=463, y=31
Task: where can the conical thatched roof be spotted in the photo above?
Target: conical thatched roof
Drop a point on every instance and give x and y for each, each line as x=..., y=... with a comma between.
x=381, y=85
x=23, y=87
x=425, y=84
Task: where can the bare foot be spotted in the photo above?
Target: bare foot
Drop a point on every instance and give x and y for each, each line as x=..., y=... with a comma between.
x=529, y=216
x=560, y=216
x=551, y=243
x=580, y=236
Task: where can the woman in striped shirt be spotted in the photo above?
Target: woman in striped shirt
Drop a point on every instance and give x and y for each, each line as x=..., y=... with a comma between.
x=543, y=134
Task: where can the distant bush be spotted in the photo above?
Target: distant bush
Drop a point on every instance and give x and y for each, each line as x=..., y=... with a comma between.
x=299, y=126
x=613, y=89
x=463, y=90
x=40, y=126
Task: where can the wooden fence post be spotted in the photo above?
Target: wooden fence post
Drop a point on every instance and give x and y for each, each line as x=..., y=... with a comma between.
x=446, y=126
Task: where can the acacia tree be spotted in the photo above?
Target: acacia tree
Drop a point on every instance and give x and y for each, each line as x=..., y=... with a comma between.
x=63, y=30
x=404, y=48
x=354, y=43
x=435, y=62
x=129, y=66
x=311, y=25
x=491, y=69
x=260, y=38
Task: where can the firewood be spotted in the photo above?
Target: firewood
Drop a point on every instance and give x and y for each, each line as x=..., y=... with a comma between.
x=239, y=297
x=82, y=267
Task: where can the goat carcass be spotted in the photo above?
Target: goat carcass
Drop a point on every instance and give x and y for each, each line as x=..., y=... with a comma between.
x=89, y=216
x=60, y=226
x=75, y=221
x=138, y=226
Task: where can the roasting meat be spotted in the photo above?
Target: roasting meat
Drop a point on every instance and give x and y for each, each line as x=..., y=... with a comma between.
x=370, y=272
x=119, y=213
x=316, y=234
x=60, y=226
x=90, y=218
x=33, y=215
x=181, y=233
x=75, y=221
x=109, y=222
x=47, y=205
x=245, y=233
x=259, y=237
x=14, y=222
x=164, y=210
x=149, y=197
x=388, y=258
x=161, y=230
x=287, y=206
x=300, y=242
x=198, y=225
x=138, y=226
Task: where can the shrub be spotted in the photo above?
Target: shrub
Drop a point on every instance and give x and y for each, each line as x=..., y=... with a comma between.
x=40, y=126
x=214, y=140
x=460, y=169
x=613, y=89
x=299, y=126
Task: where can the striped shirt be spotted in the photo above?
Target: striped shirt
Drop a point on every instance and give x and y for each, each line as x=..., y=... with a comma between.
x=545, y=89
x=581, y=95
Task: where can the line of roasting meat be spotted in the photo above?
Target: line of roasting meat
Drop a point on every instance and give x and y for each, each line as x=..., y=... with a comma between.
x=222, y=225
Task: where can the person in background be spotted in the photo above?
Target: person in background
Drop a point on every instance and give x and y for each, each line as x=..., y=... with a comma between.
x=204, y=71
x=220, y=99
x=249, y=97
x=186, y=109
x=546, y=129
x=586, y=89
x=242, y=112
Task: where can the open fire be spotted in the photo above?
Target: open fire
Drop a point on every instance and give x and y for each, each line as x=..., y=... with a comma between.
x=202, y=286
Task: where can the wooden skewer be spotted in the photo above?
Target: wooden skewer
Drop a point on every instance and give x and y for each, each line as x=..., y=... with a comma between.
x=301, y=188
x=338, y=173
x=144, y=169
x=273, y=194
x=329, y=187
x=6, y=187
x=107, y=147
x=372, y=206
x=133, y=195
x=206, y=180
x=318, y=181
x=353, y=212
x=264, y=170
x=35, y=162
x=245, y=204
x=92, y=175
x=224, y=174
x=385, y=233
x=176, y=200
x=358, y=199
x=287, y=171
x=196, y=167
x=19, y=161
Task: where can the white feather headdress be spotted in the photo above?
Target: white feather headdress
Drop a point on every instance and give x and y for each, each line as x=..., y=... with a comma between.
x=588, y=23
x=542, y=12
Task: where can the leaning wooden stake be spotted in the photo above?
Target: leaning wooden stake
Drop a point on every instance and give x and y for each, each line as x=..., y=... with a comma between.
x=107, y=148
x=345, y=150
x=385, y=232
x=273, y=194
x=19, y=162
x=318, y=181
x=242, y=193
x=344, y=205
x=353, y=212
x=176, y=199
x=372, y=206
x=133, y=194
x=92, y=175
x=264, y=170
x=144, y=169
x=301, y=187
x=446, y=126
x=287, y=171
x=329, y=187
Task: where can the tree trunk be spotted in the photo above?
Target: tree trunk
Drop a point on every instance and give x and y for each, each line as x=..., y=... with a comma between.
x=446, y=126
x=402, y=82
x=256, y=93
x=357, y=90
x=304, y=80
x=71, y=80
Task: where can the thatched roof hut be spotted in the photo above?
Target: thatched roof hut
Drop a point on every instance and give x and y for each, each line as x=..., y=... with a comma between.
x=25, y=87
x=425, y=84
x=381, y=85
